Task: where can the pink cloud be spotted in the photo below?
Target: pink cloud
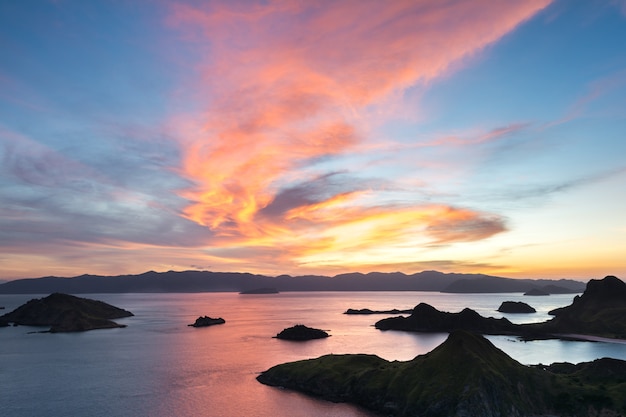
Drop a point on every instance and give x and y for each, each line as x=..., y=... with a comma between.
x=290, y=82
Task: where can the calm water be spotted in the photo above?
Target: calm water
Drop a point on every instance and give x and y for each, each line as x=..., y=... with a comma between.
x=158, y=366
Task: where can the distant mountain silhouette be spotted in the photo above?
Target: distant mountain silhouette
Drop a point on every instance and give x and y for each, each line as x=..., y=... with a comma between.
x=206, y=281
x=489, y=284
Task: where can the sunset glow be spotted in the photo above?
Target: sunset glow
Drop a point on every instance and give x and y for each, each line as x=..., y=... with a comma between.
x=301, y=137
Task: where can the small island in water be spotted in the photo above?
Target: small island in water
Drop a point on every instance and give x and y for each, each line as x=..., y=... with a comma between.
x=300, y=332
x=369, y=311
x=66, y=313
x=536, y=292
x=515, y=307
x=264, y=290
x=204, y=321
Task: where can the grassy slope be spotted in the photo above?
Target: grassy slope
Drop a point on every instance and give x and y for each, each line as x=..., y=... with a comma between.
x=465, y=376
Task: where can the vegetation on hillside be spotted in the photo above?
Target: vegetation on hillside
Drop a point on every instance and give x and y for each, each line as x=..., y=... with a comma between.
x=464, y=376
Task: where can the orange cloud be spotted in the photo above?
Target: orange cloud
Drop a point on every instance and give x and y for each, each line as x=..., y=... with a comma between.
x=288, y=84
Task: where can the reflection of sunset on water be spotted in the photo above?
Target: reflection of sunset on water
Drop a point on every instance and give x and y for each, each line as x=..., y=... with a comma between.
x=159, y=366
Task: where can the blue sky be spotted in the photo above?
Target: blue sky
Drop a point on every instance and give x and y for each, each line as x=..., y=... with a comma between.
x=285, y=137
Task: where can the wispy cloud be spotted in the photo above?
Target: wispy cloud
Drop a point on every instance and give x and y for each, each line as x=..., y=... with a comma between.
x=494, y=134
x=47, y=197
x=595, y=91
x=539, y=192
x=295, y=83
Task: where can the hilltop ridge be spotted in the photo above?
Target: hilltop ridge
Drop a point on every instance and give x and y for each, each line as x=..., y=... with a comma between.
x=464, y=376
x=207, y=281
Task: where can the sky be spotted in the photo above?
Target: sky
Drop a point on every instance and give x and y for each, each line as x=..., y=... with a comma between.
x=313, y=137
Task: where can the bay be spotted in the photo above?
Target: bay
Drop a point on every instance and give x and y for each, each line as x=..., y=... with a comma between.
x=158, y=366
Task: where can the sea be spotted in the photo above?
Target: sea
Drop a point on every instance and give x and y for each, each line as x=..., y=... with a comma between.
x=158, y=366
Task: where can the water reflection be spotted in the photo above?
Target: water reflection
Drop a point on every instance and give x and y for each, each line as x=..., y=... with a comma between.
x=159, y=366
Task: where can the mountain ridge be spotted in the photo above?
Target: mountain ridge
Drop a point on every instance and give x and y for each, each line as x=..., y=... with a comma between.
x=209, y=281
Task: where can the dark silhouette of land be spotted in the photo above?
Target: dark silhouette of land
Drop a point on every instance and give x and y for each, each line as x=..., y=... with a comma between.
x=206, y=281
x=205, y=321
x=264, y=290
x=464, y=376
x=515, y=307
x=599, y=311
x=489, y=284
x=300, y=332
x=66, y=313
x=535, y=292
x=368, y=311
x=426, y=318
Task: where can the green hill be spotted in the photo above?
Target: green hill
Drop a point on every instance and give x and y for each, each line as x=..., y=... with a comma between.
x=465, y=376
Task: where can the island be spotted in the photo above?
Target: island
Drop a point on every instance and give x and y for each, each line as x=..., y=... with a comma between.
x=536, y=292
x=368, y=311
x=426, y=318
x=207, y=321
x=599, y=311
x=264, y=290
x=464, y=376
x=515, y=307
x=66, y=313
x=300, y=332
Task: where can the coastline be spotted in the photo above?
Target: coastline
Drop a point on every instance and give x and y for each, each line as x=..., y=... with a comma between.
x=589, y=338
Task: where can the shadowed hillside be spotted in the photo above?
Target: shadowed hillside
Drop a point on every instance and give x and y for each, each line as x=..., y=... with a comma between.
x=600, y=310
x=464, y=376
